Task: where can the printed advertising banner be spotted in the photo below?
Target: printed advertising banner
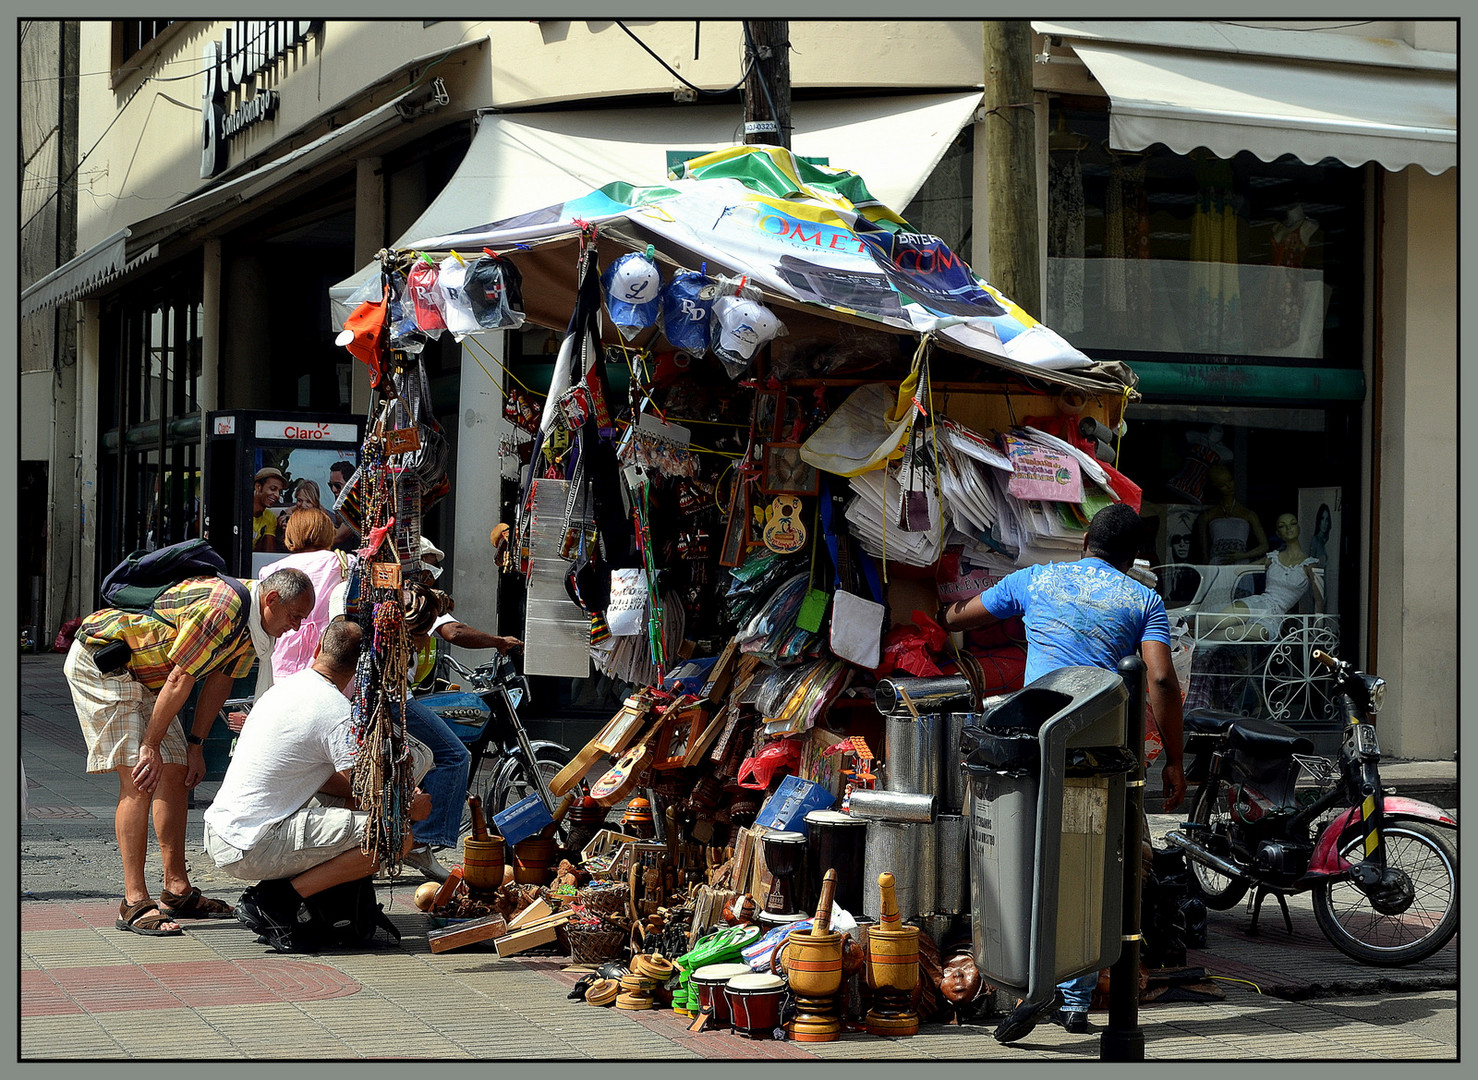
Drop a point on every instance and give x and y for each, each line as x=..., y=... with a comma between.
x=806, y=232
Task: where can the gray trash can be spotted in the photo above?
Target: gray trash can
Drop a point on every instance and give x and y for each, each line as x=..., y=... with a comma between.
x=1047, y=770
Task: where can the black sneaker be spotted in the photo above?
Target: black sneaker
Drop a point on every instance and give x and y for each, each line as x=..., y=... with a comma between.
x=270, y=912
x=1021, y=1020
x=1073, y=1022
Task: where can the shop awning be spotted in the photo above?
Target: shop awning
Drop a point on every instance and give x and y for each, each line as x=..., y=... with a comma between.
x=1314, y=96
x=127, y=248
x=518, y=161
x=103, y=262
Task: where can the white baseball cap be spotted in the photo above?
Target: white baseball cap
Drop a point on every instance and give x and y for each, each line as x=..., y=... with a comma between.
x=633, y=287
x=428, y=548
x=743, y=326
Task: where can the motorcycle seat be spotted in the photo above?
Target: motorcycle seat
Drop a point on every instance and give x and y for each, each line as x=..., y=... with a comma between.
x=1209, y=721
x=1267, y=739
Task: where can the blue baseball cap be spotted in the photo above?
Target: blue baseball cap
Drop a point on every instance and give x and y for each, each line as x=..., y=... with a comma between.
x=684, y=310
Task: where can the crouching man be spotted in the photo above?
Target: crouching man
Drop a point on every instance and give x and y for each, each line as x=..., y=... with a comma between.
x=270, y=822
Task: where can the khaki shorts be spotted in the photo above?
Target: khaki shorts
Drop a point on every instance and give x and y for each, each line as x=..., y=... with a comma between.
x=309, y=838
x=114, y=712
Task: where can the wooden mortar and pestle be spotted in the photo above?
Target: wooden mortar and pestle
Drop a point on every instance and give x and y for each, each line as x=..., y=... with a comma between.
x=892, y=968
x=482, y=853
x=811, y=960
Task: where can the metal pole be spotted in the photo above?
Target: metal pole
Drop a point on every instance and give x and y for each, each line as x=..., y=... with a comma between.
x=1123, y=1039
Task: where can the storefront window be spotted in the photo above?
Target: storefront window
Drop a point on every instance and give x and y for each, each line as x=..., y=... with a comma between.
x=1235, y=289
x=149, y=470
x=1158, y=252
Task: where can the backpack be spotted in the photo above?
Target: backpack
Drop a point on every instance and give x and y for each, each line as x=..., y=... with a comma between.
x=136, y=582
x=342, y=915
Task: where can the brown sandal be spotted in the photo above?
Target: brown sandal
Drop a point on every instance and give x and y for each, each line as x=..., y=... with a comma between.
x=192, y=905
x=133, y=918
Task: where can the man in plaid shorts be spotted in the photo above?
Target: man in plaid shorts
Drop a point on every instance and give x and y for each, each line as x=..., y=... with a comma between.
x=193, y=634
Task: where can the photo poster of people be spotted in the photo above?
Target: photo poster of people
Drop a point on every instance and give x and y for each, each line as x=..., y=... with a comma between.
x=312, y=480
x=1320, y=511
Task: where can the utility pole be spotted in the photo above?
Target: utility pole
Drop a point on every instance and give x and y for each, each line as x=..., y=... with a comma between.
x=767, y=86
x=1010, y=164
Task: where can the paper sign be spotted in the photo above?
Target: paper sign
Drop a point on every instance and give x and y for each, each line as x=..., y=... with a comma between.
x=1039, y=473
x=624, y=613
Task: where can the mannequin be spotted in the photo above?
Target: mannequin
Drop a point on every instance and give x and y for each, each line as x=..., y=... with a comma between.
x=1292, y=235
x=1290, y=576
x=1226, y=531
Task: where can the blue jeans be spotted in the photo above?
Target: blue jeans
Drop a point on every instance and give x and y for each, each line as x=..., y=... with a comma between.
x=1078, y=993
x=446, y=783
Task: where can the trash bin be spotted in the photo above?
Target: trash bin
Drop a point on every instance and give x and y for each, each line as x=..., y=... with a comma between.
x=1047, y=770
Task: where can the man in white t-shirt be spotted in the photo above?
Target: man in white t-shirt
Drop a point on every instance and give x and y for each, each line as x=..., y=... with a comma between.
x=267, y=822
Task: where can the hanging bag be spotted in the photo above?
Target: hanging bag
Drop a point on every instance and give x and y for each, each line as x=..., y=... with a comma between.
x=856, y=622
x=918, y=480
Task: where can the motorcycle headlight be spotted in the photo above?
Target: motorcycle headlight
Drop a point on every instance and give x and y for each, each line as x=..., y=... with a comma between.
x=1375, y=689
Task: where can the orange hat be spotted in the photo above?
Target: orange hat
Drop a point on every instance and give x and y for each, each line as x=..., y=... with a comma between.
x=364, y=334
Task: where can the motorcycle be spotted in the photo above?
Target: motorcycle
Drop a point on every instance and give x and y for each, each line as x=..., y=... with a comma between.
x=483, y=711
x=1272, y=817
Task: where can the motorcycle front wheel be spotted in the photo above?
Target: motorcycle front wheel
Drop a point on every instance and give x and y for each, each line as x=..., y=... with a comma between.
x=520, y=784
x=1356, y=928
x=1217, y=890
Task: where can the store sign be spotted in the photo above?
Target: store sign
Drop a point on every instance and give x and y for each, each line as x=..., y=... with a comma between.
x=250, y=47
x=306, y=431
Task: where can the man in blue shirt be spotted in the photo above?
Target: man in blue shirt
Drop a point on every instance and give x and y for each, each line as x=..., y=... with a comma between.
x=1090, y=612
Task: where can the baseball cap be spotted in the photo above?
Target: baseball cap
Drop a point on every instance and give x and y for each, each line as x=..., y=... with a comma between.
x=267, y=473
x=420, y=282
x=683, y=311
x=455, y=310
x=428, y=548
x=494, y=288
x=632, y=285
x=364, y=334
x=739, y=327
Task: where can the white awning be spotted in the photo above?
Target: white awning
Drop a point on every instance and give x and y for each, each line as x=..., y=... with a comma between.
x=521, y=162
x=103, y=262
x=1273, y=95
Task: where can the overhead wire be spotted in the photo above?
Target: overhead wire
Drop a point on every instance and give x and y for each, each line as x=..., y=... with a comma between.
x=673, y=72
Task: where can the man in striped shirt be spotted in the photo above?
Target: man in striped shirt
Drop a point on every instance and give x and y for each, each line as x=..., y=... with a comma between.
x=196, y=632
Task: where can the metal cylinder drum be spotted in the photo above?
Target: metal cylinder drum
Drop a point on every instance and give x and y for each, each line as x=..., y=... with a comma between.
x=935, y=694
x=906, y=850
x=953, y=785
x=952, y=846
x=911, y=752
x=895, y=806
x=926, y=847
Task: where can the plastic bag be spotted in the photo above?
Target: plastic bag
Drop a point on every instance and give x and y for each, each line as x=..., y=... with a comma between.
x=65, y=635
x=860, y=435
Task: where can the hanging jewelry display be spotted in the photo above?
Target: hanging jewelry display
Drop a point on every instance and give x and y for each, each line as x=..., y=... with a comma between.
x=383, y=780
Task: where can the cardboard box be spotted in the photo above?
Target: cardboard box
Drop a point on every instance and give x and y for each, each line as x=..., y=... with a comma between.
x=523, y=819
x=786, y=810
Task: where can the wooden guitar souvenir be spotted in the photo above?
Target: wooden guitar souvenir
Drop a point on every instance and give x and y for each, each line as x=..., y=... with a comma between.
x=615, y=737
x=785, y=532
x=623, y=776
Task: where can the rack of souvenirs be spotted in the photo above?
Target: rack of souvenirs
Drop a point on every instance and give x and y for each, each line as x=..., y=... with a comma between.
x=754, y=540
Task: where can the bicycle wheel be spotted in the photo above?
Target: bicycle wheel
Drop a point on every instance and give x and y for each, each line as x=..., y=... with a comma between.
x=1219, y=891
x=1398, y=929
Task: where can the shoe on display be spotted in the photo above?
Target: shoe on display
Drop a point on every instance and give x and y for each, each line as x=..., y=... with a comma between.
x=420, y=858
